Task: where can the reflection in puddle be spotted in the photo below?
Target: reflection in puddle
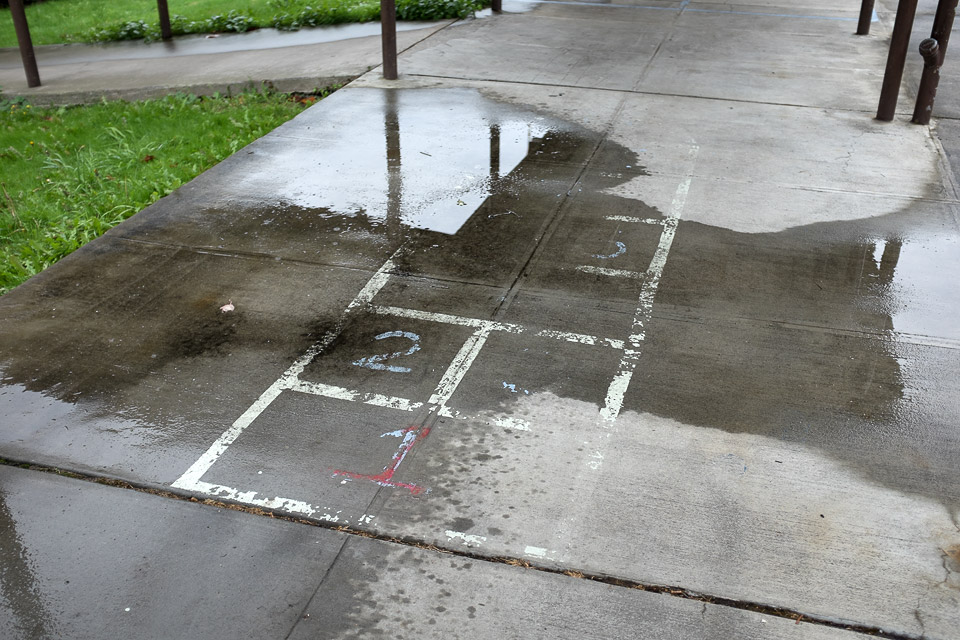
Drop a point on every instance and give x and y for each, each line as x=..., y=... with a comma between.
x=22, y=595
x=923, y=290
x=391, y=167
x=797, y=335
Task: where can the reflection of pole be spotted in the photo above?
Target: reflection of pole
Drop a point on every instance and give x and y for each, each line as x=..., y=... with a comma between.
x=889, y=260
x=26, y=44
x=494, y=152
x=391, y=123
x=164, y=12
x=906, y=11
x=388, y=38
x=17, y=581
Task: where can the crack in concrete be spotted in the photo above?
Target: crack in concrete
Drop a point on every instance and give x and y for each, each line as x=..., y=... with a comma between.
x=626, y=583
x=832, y=109
x=919, y=618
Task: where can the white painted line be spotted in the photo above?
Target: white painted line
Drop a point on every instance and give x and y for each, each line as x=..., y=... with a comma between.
x=535, y=552
x=429, y=316
x=466, y=538
x=617, y=390
x=517, y=424
x=250, y=497
x=505, y=327
x=375, y=283
x=613, y=402
x=581, y=338
x=341, y=393
x=613, y=273
x=289, y=377
x=635, y=220
x=191, y=477
x=459, y=366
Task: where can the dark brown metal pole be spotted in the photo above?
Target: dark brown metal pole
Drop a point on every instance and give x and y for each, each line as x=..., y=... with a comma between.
x=943, y=25
x=929, y=81
x=497, y=5
x=164, y=12
x=906, y=11
x=933, y=50
x=26, y=44
x=388, y=38
x=866, y=17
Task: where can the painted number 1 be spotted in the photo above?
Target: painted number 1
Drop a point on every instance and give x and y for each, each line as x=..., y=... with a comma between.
x=376, y=362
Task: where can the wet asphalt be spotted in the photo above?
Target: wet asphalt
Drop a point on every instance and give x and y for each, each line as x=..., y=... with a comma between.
x=593, y=298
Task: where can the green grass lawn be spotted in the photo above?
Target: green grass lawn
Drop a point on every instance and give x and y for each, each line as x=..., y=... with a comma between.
x=69, y=174
x=61, y=21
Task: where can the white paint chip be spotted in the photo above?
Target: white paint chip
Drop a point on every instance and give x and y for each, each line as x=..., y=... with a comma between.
x=466, y=538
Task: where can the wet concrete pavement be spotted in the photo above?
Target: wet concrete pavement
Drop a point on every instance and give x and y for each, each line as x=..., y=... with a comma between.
x=305, y=60
x=589, y=293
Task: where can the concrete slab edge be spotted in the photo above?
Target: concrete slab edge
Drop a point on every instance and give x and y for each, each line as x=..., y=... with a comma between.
x=306, y=84
x=670, y=590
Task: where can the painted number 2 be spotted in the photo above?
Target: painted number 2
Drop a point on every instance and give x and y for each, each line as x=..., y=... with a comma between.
x=376, y=362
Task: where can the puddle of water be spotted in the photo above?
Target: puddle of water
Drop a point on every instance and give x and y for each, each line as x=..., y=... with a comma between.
x=814, y=334
x=425, y=160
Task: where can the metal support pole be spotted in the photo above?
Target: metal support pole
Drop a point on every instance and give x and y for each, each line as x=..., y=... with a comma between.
x=164, y=12
x=497, y=5
x=388, y=38
x=934, y=50
x=906, y=11
x=26, y=44
x=866, y=17
x=929, y=81
x=943, y=25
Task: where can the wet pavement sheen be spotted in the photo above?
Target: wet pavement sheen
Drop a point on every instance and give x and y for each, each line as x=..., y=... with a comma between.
x=638, y=345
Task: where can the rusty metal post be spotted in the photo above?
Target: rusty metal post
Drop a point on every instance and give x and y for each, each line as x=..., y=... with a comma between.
x=943, y=25
x=388, y=38
x=934, y=50
x=25, y=43
x=866, y=17
x=164, y=12
x=906, y=11
x=929, y=81
x=497, y=5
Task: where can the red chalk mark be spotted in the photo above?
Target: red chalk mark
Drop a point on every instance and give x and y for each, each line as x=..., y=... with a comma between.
x=411, y=436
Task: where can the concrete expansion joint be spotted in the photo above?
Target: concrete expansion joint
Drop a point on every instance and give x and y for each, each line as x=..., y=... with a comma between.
x=663, y=94
x=668, y=590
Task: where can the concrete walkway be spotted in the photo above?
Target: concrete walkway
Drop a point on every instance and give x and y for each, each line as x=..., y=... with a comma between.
x=605, y=320
x=303, y=60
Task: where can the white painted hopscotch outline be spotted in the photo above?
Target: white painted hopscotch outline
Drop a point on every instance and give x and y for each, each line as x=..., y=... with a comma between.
x=290, y=380
x=648, y=290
